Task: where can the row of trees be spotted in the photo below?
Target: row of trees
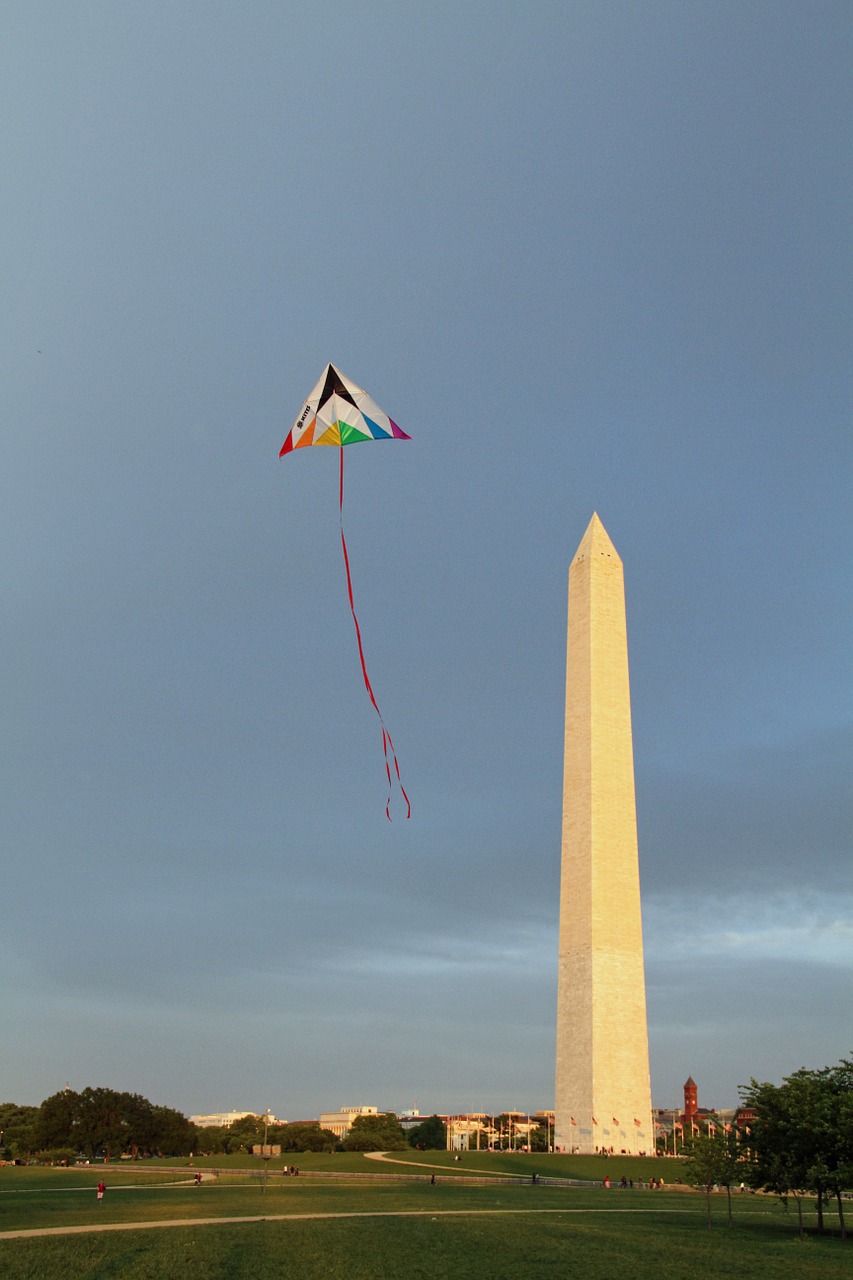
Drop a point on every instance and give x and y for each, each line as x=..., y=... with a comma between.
x=249, y=1131
x=801, y=1143
x=381, y=1132
x=105, y=1122
x=101, y=1121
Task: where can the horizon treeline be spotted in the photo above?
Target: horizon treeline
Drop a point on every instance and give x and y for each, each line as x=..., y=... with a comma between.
x=105, y=1123
x=102, y=1122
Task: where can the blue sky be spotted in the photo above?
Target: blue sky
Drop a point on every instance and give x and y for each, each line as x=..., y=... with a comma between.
x=590, y=257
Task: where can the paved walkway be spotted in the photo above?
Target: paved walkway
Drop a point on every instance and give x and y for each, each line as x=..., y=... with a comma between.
x=113, y=1188
x=422, y=1164
x=304, y=1217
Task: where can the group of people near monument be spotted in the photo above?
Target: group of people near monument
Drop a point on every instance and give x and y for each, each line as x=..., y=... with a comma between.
x=654, y=1184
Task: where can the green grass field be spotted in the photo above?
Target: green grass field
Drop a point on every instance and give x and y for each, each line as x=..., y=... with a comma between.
x=467, y=1231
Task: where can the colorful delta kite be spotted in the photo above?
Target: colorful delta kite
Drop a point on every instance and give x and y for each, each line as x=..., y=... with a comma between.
x=337, y=412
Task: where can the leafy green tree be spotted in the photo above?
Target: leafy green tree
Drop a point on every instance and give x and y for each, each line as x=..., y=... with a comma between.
x=212, y=1139
x=305, y=1136
x=240, y=1135
x=538, y=1140
x=376, y=1133
x=54, y=1126
x=93, y=1121
x=246, y=1132
x=699, y=1167
x=17, y=1126
x=713, y=1160
x=803, y=1136
x=171, y=1133
x=730, y=1167
x=139, y=1126
x=100, y=1124
x=116, y=1123
x=429, y=1135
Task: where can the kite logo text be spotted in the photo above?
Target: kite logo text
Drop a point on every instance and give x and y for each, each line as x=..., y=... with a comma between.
x=305, y=413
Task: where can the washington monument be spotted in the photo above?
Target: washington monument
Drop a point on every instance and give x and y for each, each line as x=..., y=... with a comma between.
x=603, y=1097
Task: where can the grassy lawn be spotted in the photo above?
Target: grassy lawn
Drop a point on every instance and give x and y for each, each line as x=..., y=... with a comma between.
x=583, y=1168
x=452, y=1229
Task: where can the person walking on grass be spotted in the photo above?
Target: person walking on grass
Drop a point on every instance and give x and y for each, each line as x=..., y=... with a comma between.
x=102, y=1186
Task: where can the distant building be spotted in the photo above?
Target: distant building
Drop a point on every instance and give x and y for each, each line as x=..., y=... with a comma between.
x=466, y=1132
x=220, y=1119
x=673, y=1127
x=744, y=1118
x=479, y=1131
x=696, y=1119
x=340, y=1122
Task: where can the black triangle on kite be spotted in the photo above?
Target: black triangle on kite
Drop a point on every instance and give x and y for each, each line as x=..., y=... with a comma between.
x=334, y=386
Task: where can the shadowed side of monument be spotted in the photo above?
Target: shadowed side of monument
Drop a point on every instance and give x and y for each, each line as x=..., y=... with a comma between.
x=603, y=1095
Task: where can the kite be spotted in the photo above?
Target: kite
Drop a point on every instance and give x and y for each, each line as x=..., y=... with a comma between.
x=339, y=413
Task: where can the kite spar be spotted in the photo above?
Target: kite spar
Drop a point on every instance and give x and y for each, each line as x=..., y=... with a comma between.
x=337, y=412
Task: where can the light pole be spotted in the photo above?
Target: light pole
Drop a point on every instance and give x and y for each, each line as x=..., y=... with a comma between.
x=265, y=1149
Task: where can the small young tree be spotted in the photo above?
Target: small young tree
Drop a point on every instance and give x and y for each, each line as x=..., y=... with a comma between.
x=712, y=1160
x=699, y=1166
x=729, y=1164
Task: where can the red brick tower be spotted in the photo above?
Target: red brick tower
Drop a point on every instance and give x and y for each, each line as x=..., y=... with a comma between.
x=691, y=1100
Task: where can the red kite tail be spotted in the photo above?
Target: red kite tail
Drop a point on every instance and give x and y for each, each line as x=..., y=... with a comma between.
x=387, y=744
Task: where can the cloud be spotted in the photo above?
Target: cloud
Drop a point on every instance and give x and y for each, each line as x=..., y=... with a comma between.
x=812, y=926
x=743, y=986
x=761, y=816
